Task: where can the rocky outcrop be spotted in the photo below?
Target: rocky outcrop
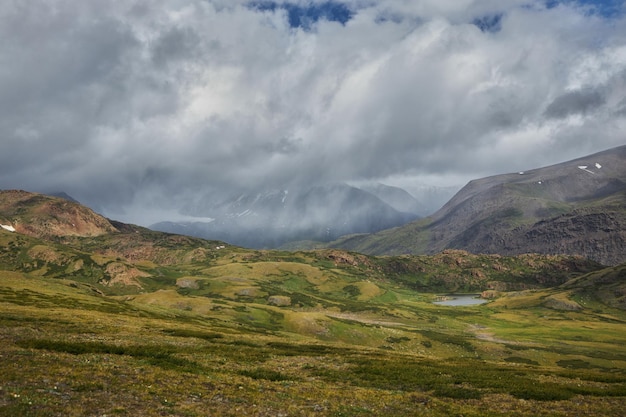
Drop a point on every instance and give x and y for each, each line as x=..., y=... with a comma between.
x=279, y=300
x=490, y=294
x=600, y=236
x=190, y=283
x=560, y=303
x=121, y=274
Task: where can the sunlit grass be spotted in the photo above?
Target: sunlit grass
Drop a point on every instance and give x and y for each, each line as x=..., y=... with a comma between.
x=349, y=343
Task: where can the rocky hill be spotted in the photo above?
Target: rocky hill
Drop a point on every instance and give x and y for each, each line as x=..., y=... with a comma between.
x=607, y=285
x=44, y=216
x=577, y=207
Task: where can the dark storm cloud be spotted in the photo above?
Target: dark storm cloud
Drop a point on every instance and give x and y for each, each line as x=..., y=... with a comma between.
x=575, y=102
x=175, y=44
x=137, y=105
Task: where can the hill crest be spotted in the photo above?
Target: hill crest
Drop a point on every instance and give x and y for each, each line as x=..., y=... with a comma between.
x=45, y=216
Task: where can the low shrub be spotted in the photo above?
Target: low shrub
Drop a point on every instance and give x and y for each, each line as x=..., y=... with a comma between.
x=267, y=374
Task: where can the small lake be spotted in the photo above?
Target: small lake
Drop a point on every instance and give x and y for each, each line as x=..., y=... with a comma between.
x=456, y=300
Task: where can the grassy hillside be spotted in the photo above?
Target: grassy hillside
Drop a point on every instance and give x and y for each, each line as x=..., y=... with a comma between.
x=138, y=260
x=139, y=323
x=69, y=351
x=238, y=332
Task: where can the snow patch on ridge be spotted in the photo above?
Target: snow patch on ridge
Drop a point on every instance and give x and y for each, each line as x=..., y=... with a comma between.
x=8, y=227
x=587, y=169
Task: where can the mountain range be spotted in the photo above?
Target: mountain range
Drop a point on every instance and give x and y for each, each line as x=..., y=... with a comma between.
x=576, y=207
x=317, y=213
x=62, y=234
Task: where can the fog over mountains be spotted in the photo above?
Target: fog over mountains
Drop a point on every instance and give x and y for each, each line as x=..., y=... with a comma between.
x=317, y=213
x=575, y=207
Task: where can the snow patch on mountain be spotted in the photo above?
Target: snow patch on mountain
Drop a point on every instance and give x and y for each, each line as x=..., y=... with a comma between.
x=588, y=169
x=8, y=227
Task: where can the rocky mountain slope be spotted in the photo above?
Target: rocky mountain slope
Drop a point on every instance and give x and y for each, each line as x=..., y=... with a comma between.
x=43, y=216
x=268, y=220
x=577, y=207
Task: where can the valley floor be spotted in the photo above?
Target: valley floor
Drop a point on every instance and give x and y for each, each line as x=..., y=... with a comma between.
x=65, y=352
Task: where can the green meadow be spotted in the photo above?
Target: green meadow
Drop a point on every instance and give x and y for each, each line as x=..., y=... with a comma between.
x=188, y=330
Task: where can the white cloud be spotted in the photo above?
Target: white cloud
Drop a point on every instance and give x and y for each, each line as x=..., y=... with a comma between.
x=120, y=102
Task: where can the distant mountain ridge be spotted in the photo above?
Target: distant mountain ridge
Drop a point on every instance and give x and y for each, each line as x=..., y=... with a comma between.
x=56, y=238
x=396, y=197
x=270, y=219
x=576, y=207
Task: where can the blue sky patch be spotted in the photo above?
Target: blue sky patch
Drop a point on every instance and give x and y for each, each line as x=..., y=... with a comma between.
x=490, y=23
x=604, y=8
x=305, y=16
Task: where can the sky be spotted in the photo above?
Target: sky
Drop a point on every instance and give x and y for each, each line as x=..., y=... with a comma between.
x=136, y=107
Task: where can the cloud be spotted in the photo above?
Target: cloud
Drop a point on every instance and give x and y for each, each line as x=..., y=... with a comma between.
x=138, y=104
x=575, y=102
